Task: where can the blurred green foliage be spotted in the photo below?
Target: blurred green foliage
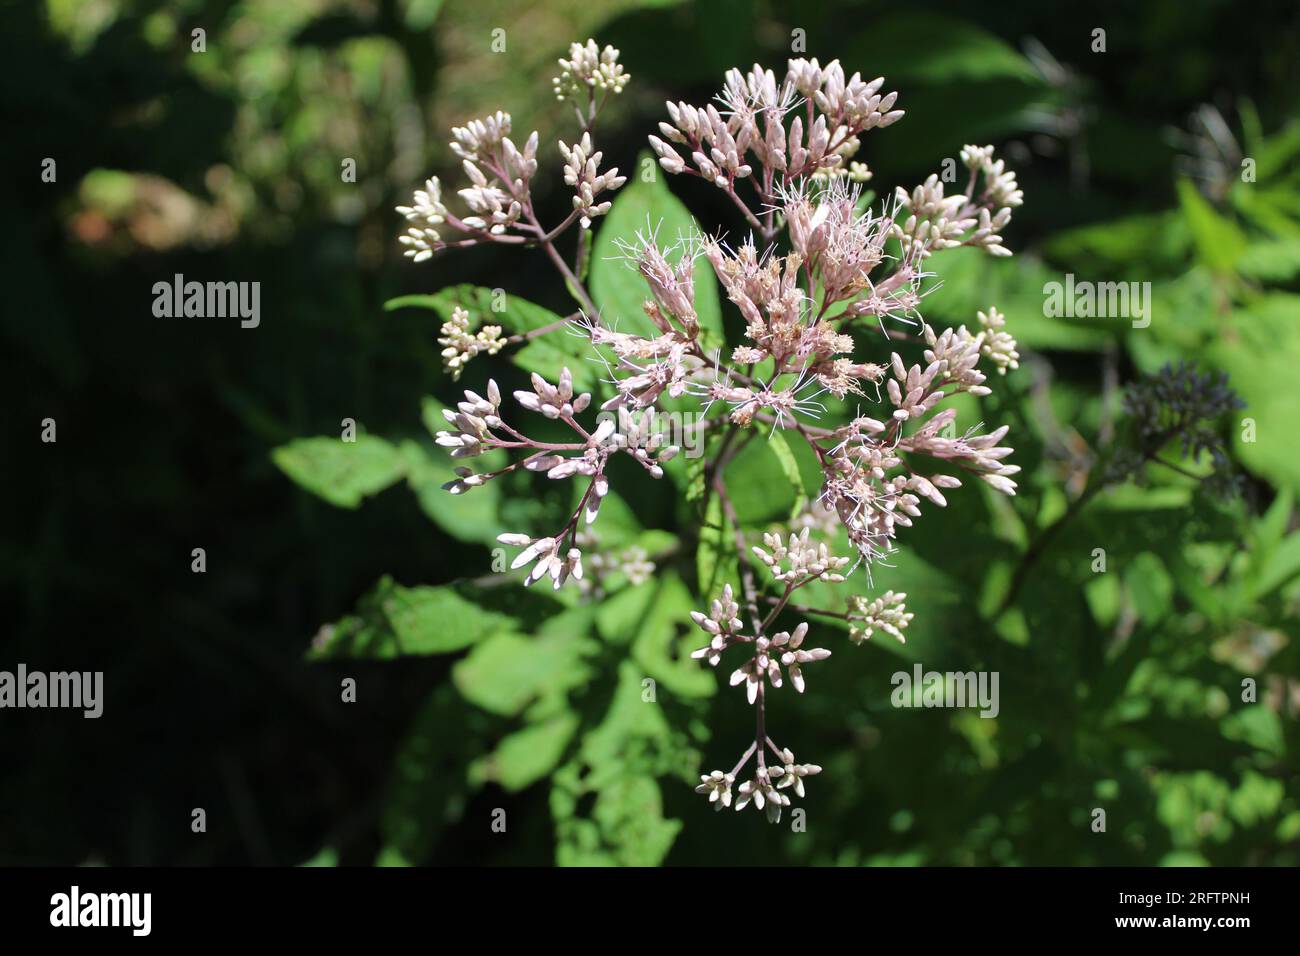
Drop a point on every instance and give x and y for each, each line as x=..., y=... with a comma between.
x=1121, y=690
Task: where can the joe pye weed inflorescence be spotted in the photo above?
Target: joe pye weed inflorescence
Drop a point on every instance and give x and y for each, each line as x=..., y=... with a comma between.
x=826, y=285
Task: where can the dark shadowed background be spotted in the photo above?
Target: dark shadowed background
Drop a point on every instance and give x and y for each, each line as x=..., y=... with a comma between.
x=1120, y=690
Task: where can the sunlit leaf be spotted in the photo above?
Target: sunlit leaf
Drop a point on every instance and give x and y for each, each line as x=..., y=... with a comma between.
x=395, y=621
x=341, y=472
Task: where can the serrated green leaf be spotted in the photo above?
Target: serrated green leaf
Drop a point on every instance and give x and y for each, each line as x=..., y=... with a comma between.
x=341, y=472
x=662, y=648
x=715, y=540
x=758, y=485
x=619, y=616
x=1219, y=241
x=790, y=468
x=528, y=755
x=955, y=51
x=395, y=621
x=504, y=673
x=429, y=785
x=696, y=474
x=1149, y=586
x=1263, y=350
x=617, y=763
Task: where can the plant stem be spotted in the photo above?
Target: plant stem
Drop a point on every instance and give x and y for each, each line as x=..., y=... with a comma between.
x=746, y=572
x=1040, y=543
x=805, y=609
x=576, y=288
x=541, y=330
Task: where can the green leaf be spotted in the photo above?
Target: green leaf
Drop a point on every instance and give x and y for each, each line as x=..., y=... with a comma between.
x=1219, y=241
x=494, y=307
x=556, y=351
x=664, y=651
x=1283, y=565
x=696, y=472
x=507, y=671
x=1270, y=528
x=617, y=762
x=1257, y=799
x=790, y=468
x=632, y=733
x=586, y=240
x=419, y=301
x=618, y=526
x=420, y=14
x=631, y=809
x=1271, y=260
x=1129, y=247
x=1150, y=587
x=472, y=516
x=971, y=282
x=758, y=484
x=396, y=621
x=341, y=472
x=627, y=827
x=1103, y=595
x=1263, y=350
x=528, y=755
x=1257, y=727
x=711, y=564
x=618, y=288
x=953, y=51
x=619, y=616
x=429, y=787
x=327, y=856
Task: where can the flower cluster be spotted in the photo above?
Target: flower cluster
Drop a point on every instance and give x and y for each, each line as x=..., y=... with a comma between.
x=589, y=68
x=819, y=280
x=887, y=614
x=497, y=197
x=1181, y=405
x=751, y=132
x=797, y=560
x=428, y=213
x=723, y=626
x=871, y=476
x=500, y=173
x=581, y=170
x=759, y=790
x=459, y=345
x=478, y=427
x=769, y=654
x=936, y=221
x=996, y=344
